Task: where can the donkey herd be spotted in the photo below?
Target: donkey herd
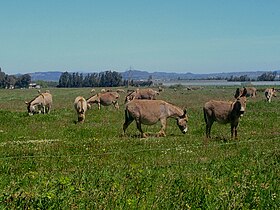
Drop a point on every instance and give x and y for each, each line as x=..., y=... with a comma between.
x=141, y=105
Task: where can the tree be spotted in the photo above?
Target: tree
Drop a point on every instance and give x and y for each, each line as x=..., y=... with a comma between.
x=267, y=76
x=64, y=80
x=2, y=79
x=23, y=81
x=10, y=81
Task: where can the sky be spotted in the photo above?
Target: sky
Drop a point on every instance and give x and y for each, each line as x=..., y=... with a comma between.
x=198, y=36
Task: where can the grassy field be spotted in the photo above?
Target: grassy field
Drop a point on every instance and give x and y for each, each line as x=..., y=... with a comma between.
x=50, y=162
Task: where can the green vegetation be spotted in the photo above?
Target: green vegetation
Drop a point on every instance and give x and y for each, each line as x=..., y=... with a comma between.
x=103, y=79
x=50, y=162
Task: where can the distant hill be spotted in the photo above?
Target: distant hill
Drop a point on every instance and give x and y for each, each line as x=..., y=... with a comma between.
x=46, y=76
x=145, y=75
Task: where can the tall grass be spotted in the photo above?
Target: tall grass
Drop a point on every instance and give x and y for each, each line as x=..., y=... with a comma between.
x=50, y=162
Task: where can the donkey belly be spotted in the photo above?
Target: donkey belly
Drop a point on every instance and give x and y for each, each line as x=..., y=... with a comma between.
x=148, y=121
x=105, y=102
x=221, y=119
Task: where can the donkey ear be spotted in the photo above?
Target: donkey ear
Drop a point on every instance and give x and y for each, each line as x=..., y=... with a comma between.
x=244, y=92
x=237, y=93
x=185, y=113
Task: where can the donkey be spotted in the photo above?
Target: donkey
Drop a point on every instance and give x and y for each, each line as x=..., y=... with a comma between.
x=104, y=99
x=147, y=93
x=225, y=112
x=80, y=105
x=149, y=112
x=269, y=93
x=251, y=91
x=43, y=103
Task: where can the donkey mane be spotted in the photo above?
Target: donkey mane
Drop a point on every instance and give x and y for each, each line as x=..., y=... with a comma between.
x=177, y=110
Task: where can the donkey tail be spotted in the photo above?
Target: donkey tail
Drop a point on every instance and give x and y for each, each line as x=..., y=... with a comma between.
x=205, y=115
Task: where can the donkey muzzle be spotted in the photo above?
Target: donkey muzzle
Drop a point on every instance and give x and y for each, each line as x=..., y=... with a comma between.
x=185, y=130
x=242, y=110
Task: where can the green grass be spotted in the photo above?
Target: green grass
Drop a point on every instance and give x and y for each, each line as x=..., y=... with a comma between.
x=50, y=162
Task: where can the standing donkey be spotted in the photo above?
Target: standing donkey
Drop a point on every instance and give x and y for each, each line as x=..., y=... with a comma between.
x=149, y=112
x=104, y=99
x=80, y=105
x=42, y=102
x=225, y=112
x=269, y=93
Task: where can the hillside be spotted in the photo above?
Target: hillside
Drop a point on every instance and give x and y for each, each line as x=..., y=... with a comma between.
x=144, y=75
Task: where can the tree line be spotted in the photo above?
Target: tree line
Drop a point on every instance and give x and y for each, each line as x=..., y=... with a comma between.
x=267, y=76
x=12, y=81
x=103, y=79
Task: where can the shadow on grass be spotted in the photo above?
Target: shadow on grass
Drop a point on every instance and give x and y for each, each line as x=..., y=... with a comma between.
x=152, y=135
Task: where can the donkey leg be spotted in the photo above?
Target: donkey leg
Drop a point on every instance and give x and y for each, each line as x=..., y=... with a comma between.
x=128, y=121
x=47, y=109
x=163, y=127
x=208, y=122
x=138, y=124
x=208, y=129
x=44, y=109
x=116, y=104
x=234, y=131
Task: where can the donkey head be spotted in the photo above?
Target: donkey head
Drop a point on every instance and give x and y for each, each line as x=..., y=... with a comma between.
x=30, y=108
x=182, y=122
x=239, y=105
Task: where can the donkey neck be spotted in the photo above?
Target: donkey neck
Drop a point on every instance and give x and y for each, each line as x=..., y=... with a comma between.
x=93, y=99
x=37, y=100
x=174, y=111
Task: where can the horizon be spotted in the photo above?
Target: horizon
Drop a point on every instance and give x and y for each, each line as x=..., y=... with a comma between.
x=151, y=72
x=181, y=36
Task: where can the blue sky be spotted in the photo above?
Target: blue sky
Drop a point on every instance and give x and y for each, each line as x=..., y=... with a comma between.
x=198, y=36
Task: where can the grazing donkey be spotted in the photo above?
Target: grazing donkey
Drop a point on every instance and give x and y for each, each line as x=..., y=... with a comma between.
x=146, y=93
x=43, y=103
x=269, y=93
x=251, y=91
x=149, y=112
x=104, y=99
x=80, y=105
x=225, y=112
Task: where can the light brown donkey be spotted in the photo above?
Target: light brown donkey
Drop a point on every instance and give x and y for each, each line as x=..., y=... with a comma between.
x=104, y=99
x=41, y=103
x=149, y=112
x=225, y=112
x=80, y=105
x=269, y=93
x=146, y=93
x=251, y=91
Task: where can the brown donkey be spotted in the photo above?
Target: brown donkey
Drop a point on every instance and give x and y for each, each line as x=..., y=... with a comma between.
x=146, y=93
x=149, y=112
x=251, y=91
x=225, y=112
x=104, y=99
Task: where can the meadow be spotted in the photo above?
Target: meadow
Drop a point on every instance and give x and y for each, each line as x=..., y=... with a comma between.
x=50, y=162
